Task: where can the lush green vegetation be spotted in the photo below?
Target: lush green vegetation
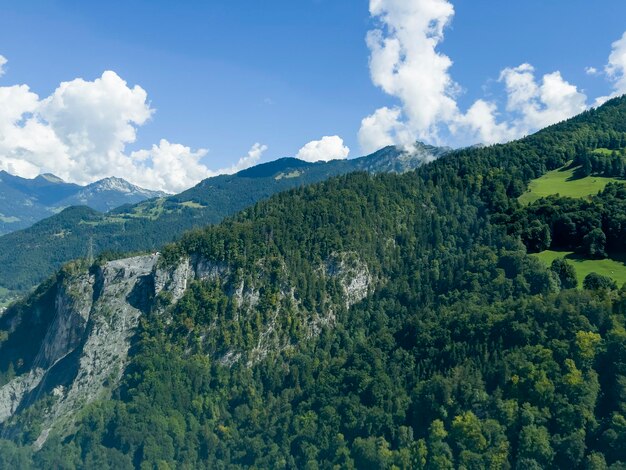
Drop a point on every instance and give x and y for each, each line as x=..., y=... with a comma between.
x=29, y=256
x=615, y=269
x=468, y=354
x=603, y=161
x=565, y=182
x=593, y=228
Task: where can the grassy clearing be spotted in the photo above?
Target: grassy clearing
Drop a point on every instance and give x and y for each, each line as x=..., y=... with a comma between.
x=193, y=205
x=603, y=151
x=613, y=268
x=564, y=183
x=293, y=174
x=148, y=210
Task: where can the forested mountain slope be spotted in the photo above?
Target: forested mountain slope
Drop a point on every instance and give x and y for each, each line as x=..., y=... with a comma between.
x=29, y=256
x=390, y=321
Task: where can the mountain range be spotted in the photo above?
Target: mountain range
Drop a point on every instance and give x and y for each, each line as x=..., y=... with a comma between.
x=30, y=255
x=25, y=201
x=367, y=321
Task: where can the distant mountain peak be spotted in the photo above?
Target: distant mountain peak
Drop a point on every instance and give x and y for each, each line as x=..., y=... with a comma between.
x=419, y=145
x=24, y=201
x=268, y=169
x=51, y=178
x=114, y=183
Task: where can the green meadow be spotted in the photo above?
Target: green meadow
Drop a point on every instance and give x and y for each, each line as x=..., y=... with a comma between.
x=613, y=268
x=565, y=183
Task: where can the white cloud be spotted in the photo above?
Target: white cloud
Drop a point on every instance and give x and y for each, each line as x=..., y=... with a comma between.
x=405, y=63
x=81, y=131
x=616, y=68
x=26, y=143
x=95, y=121
x=168, y=167
x=385, y=127
x=539, y=104
x=253, y=157
x=175, y=167
x=326, y=149
x=481, y=123
x=3, y=62
x=591, y=71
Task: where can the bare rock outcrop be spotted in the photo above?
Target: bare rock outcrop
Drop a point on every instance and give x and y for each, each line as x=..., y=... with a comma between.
x=96, y=314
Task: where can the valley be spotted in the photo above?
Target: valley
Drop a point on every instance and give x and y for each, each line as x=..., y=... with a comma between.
x=26, y=201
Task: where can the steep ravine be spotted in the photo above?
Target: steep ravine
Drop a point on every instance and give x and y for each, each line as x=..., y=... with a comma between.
x=86, y=344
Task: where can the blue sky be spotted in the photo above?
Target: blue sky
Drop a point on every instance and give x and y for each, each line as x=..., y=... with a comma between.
x=224, y=75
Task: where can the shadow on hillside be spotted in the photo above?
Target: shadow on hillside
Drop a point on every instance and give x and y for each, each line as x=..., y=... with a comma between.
x=575, y=257
x=578, y=173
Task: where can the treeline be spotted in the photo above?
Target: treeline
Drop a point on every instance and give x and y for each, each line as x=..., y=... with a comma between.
x=594, y=227
x=609, y=163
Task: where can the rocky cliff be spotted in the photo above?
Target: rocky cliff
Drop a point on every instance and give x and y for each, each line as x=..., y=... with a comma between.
x=95, y=314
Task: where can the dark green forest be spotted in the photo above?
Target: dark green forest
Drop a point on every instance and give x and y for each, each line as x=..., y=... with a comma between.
x=604, y=162
x=469, y=353
x=594, y=228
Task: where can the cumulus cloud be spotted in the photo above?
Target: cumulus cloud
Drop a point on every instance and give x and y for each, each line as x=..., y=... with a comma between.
x=406, y=64
x=175, y=167
x=591, y=71
x=251, y=159
x=168, y=167
x=95, y=121
x=539, y=104
x=480, y=122
x=26, y=143
x=3, y=62
x=326, y=149
x=616, y=68
x=80, y=133
x=384, y=127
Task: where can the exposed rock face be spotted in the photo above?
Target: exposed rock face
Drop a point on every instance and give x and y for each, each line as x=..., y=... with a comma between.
x=72, y=314
x=123, y=290
x=87, y=343
x=12, y=393
x=208, y=270
x=353, y=276
x=173, y=280
x=85, y=349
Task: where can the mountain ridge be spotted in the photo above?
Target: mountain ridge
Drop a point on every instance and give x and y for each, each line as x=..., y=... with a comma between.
x=36, y=252
x=24, y=201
